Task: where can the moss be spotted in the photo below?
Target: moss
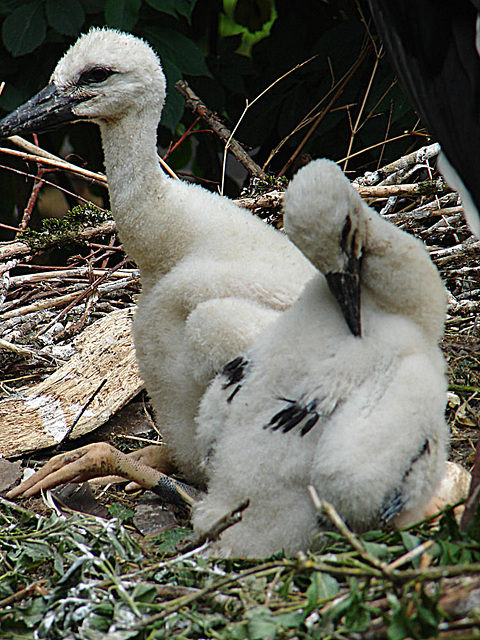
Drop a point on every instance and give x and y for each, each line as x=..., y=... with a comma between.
x=64, y=232
x=257, y=186
x=431, y=188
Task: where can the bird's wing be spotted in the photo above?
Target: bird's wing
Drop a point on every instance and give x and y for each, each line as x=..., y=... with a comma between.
x=384, y=446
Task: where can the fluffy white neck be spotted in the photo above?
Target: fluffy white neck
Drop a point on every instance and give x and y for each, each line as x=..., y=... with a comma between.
x=138, y=190
x=400, y=276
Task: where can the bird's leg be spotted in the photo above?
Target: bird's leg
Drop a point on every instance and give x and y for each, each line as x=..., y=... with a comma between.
x=156, y=456
x=101, y=459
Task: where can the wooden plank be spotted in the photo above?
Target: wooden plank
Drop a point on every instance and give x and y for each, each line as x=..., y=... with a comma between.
x=38, y=416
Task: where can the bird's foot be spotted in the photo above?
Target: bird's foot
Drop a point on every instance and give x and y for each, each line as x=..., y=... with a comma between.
x=100, y=459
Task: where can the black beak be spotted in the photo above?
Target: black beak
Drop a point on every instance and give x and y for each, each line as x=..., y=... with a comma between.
x=345, y=285
x=46, y=111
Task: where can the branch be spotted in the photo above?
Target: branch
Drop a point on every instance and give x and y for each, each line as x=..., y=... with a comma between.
x=215, y=531
x=193, y=102
x=402, y=164
x=10, y=249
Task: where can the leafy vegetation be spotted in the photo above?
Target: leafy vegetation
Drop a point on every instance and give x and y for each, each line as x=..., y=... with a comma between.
x=85, y=578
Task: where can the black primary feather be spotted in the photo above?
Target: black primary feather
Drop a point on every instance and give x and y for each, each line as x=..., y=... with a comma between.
x=294, y=414
x=234, y=371
x=394, y=504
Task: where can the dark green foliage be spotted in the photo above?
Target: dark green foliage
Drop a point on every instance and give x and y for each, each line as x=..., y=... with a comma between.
x=230, y=51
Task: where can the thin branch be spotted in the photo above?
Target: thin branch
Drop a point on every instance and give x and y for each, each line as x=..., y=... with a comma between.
x=194, y=103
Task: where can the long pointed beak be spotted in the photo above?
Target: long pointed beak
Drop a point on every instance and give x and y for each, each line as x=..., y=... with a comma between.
x=46, y=111
x=345, y=286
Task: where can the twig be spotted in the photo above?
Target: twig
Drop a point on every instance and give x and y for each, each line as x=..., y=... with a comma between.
x=330, y=511
x=64, y=274
x=357, y=126
x=410, y=555
x=40, y=306
x=16, y=507
x=37, y=184
x=56, y=163
x=272, y=199
x=194, y=103
x=216, y=530
x=340, y=89
x=11, y=249
x=405, y=162
x=67, y=433
x=33, y=153
x=26, y=592
x=92, y=287
x=22, y=351
x=425, y=188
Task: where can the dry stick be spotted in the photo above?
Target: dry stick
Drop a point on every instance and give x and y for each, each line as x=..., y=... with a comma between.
x=410, y=555
x=37, y=154
x=22, y=351
x=10, y=249
x=193, y=102
x=46, y=159
x=374, y=146
x=67, y=433
x=37, y=185
x=329, y=510
x=64, y=274
x=341, y=86
x=357, y=126
x=247, y=107
x=40, y=306
x=405, y=162
x=92, y=287
x=33, y=589
x=216, y=530
x=268, y=200
x=427, y=187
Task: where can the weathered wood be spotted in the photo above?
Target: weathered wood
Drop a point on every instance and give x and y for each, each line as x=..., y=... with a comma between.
x=39, y=416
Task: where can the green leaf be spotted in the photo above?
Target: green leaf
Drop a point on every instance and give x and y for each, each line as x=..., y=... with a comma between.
x=166, y=541
x=262, y=626
x=177, y=48
x=322, y=586
x=120, y=512
x=253, y=14
x=377, y=549
x=409, y=540
x=24, y=29
x=173, y=7
x=122, y=14
x=65, y=16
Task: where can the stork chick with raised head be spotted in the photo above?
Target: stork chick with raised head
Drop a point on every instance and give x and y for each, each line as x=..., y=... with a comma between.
x=354, y=408
x=212, y=274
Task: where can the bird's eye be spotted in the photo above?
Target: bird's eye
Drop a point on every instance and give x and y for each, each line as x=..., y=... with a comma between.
x=95, y=75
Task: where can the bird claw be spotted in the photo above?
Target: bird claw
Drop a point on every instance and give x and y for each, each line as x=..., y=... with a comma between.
x=80, y=465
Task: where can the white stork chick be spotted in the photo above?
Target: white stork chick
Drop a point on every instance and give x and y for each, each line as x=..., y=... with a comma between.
x=212, y=274
x=356, y=411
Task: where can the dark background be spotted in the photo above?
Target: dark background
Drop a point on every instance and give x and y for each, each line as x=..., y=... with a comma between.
x=348, y=88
